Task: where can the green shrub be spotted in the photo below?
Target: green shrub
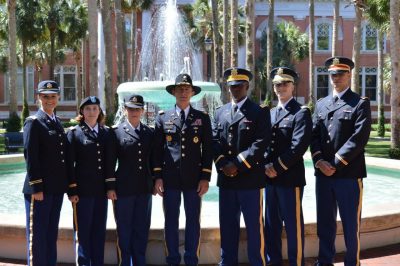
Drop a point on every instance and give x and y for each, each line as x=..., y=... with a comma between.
x=13, y=123
x=70, y=123
x=394, y=153
x=25, y=112
x=381, y=127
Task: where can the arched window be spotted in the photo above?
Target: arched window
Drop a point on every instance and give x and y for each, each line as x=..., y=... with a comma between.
x=323, y=36
x=369, y=38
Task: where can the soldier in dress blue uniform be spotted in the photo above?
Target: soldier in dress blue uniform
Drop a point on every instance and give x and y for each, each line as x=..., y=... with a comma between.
x=183, y=166
x=46, y=178
x=86, y=169
x=130, y=186
x=341, y=127
x=241, y=134
x=291, y=135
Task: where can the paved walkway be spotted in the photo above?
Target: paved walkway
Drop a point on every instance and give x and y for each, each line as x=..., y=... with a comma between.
x=383, y=256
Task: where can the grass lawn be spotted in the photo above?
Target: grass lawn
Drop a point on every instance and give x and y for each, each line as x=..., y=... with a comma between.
x=377, y=147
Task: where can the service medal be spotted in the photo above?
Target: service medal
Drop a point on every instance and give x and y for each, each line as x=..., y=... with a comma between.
x=195, y=139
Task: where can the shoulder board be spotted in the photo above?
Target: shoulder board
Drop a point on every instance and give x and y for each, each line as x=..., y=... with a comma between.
x=204, y=112
x=32, y=117
x=364, y=98
x=263, y=105
x=305, y=107
x=72, y=128
x=114, y=126
x=106, y=126
x=320, y=99
x=161, y=112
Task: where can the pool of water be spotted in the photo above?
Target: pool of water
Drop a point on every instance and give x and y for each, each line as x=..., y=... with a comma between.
x=381, y=187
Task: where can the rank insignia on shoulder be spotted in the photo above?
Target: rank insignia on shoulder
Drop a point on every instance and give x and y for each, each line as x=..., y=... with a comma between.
x=32, y=117
x=161, y=112
x=320, y=99
x=365, y=98
x=114, y=126
x=263, y=105
x=72, y=128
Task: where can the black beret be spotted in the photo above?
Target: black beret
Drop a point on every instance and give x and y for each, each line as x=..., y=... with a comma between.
x=183, y=79
x=89, y=100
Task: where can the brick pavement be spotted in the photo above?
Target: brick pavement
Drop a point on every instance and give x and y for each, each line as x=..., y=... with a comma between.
x=383, y=256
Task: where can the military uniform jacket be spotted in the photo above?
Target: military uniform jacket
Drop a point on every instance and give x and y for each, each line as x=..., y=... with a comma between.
x=132, y=151
x=243, y=140
x=86, y=160
x=340, y=133
x=184, y=152
x=45, y=155
x=291, y=136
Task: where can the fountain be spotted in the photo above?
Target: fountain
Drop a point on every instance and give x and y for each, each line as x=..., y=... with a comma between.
x=167, y=51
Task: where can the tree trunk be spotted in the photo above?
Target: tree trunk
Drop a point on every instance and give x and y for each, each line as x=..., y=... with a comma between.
x=225, y=96
x=270, y=47
x=78, y=62
x=133, y=44
x=12, y=40
x=234, y=33
x=395, y=82
x=311, y=66
x=119, y=39
x=250, y=48
x=356, y=51
x=93, y=60
x=381, y=107
x=216, y=42
x=108, y=71
x=335, y=27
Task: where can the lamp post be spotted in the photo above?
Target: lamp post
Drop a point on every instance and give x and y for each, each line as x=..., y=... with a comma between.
x=208, y=42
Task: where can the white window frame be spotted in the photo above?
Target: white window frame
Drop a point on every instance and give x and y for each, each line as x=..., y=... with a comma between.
x=30, y=79
x=364, y=36
x=329, y=36
x=321, y=70
x=62, y=70
x=371, y=71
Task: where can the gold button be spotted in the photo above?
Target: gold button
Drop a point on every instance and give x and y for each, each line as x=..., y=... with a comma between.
x=230, y=129
x=140, y=160
x=59, y=135
x=98, y=144
x=139, y=144
x=230, y=144
x=140, y=167
x=99, y=160
x=183, y=146
x=183, y=139
x=273, y=134
x=61, y=152
x=61, y=143
x=183, y=132
x=140, y=152
x=99, y=167
x=98, y=152
x=183, y=155
x=272, y=149
x=272, y=141
x=229, y=152
x=327, y=141
x=62, y=160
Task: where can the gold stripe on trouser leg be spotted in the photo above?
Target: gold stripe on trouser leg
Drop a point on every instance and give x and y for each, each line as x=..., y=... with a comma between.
x=262, y=246
x=116, y=231
x=31, y=231
x=360, y=187
x=75, y=217
x=165, y=240
x=298, y=227
x=198, y=245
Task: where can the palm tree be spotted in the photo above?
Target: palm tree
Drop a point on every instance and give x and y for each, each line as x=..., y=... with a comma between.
x=270, y=47
x=109, y=70
x=134, y=7
x=29, y=30
x=120, y=31
x=355, y=85
x=216, y=40
x=234, y=32
x=12, y=45
x=395, y=91
x=249, y=7
x=335, y=27
x=225, y=37
x=311, y=65
x=378, y=15
x=92, y=17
